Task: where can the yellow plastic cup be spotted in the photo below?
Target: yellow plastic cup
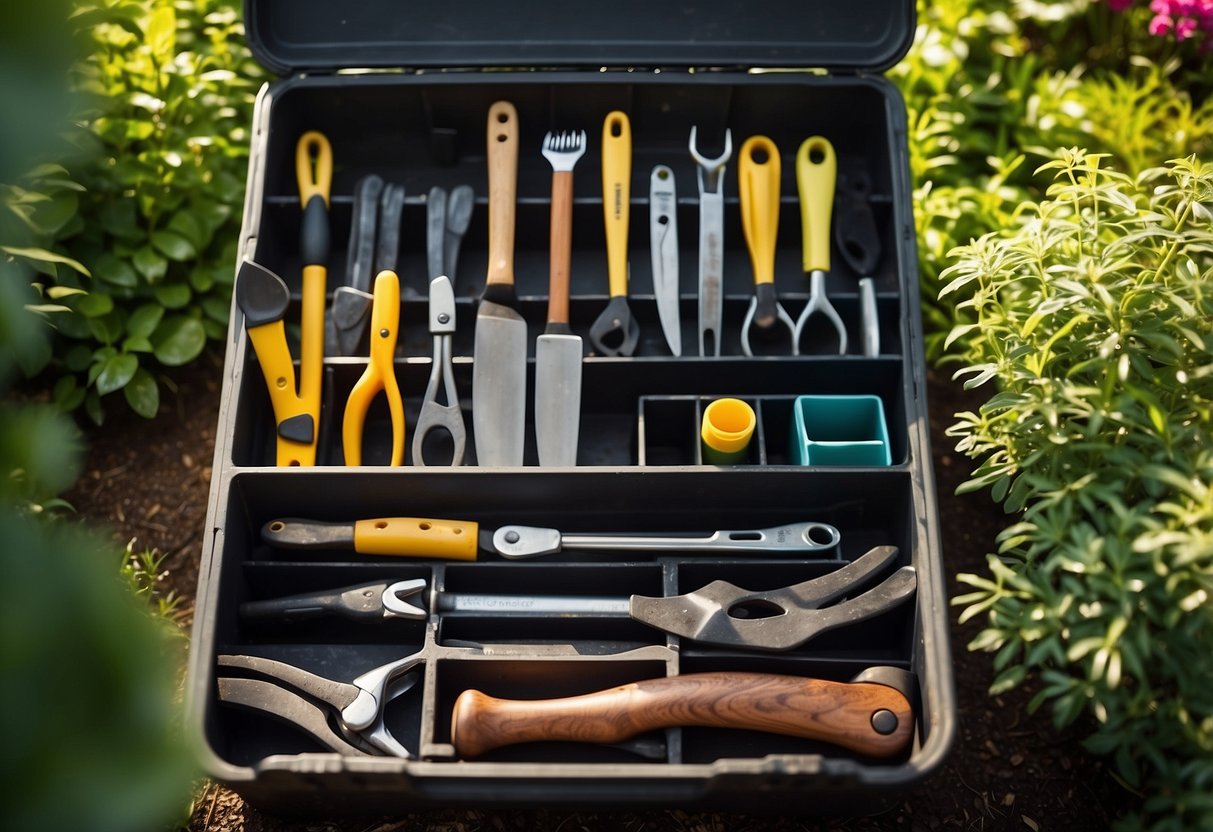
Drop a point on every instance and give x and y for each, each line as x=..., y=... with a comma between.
x=728, y=426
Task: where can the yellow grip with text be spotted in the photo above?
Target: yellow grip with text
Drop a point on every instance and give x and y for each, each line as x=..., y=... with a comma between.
x=816, y=172
x=758, y=180
x=616, y=196
x=313, y=166
x=417, y=537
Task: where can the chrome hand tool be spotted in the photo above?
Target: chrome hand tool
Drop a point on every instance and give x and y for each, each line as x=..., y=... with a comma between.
x=447, y=218
x=870, y=715
x=663, y=238
x=558, y=351
x=616, y=332
x=758, y=174
x=423, y=537
x=711, y=243
x=346, y=717
x=816, y=171
x=351, y=307
x=435, y=416
x=499, y=359
x=719, y=613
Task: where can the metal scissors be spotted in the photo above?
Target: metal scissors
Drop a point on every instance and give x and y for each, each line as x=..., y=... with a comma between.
x=379, y=376
x=449, y=416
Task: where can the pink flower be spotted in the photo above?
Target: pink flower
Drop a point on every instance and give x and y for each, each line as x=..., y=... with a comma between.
x=1160, y=25
x=1185, y=28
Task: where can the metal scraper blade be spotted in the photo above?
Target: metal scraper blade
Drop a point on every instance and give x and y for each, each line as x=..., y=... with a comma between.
x=499, y=385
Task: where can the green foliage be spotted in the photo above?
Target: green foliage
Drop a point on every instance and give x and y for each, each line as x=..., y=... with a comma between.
x=1095, y=319
x=991, y=85
x=135, y=237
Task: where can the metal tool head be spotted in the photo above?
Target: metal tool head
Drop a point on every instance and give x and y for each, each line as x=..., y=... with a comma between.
x=289, y=707
x=350, y=312
x=520, y=542
x=766, y=315
x=615, y=332
x=711, y=171
x=361, y=258
x=395, y=600
x=459, y=205
x=819, y=302
x=387, y=237
x=557, y=398
x=442, y=306
x=783, y=619
x=663, y=236
x=499, y=385
x=564, y=149
x=435, y=416
x=435, y=231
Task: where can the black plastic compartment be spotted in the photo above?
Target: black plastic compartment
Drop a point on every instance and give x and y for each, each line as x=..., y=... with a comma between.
x=639, y=432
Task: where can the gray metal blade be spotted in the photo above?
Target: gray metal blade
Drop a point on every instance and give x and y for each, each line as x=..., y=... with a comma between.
x=663, y=230
x=499, y=385
x=557, y=398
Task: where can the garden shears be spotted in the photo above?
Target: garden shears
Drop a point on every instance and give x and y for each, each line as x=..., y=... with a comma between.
x=816, y=172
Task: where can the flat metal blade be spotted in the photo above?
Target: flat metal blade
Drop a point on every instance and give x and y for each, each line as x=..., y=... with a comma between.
x=663, y=232
x=499, y=385
x=557, y=398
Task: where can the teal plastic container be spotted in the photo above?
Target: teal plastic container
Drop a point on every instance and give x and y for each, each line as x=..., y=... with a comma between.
x=839, y=430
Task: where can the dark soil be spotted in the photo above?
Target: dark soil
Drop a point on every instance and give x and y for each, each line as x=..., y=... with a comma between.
x=1009, y=770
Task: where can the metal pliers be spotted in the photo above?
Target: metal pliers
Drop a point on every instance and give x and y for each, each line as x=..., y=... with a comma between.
x=449, y=416
x=315, y=704
x=379, y=376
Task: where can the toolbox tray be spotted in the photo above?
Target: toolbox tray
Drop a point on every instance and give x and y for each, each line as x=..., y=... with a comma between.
x=639, y=467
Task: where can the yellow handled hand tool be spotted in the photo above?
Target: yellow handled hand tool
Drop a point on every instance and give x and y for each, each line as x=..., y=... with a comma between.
x=758, y=175
x=263, y=297
x=379, y=376
x=616, y=332
x=816, y=172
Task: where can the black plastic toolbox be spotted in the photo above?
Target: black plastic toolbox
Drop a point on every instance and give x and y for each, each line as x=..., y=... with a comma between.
x=414, y=113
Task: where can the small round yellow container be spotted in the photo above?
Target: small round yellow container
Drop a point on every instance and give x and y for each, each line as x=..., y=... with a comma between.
x=728, y=426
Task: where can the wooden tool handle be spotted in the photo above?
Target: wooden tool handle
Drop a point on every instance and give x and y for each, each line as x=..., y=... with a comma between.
x=870, y=719
x=562, y=247
x=816, y=172
x=616, y=196
x=503, y=184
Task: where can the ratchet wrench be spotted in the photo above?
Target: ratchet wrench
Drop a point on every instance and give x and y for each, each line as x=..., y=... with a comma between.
x=711, y=243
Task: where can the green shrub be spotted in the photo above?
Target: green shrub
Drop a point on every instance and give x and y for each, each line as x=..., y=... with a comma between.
x=150, y=204
x=1095, y=320
x=989, y=85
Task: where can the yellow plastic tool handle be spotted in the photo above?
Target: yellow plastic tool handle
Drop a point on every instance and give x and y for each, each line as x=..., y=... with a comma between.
x=313, y=167
x=417, y=537
x=380, y=374
x=816, y=172
x=758, y=175
x=269, y=342
x=616, y=194
x=503, y=185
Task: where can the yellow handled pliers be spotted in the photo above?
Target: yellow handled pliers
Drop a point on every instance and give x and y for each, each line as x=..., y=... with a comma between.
x=380, y=374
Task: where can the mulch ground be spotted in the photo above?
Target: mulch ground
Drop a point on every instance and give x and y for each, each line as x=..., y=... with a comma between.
x=149, y=481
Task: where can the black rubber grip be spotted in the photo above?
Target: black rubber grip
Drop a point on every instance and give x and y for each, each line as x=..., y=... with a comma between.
x=261, y=295
x=297, y=429
x=764, y=311
x=501, y=293
x=558, y=329
x=315, y=233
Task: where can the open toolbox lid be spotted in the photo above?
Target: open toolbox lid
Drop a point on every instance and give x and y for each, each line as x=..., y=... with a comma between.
x=327, y=35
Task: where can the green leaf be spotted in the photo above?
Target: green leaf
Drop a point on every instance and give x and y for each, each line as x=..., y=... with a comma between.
x=216, y=309
x=68, y=394
x=115, y=272
x=202, y=279
x=116, y=372
x=41, y=255
x=94, y=305
x=173, y=245
x=137, y=343
x=143, y=394
x=78, y=358
x=120, y=218
x=92, y=407
x=161, y=33
x=189, y=227
x=60, y=292
x=107, y=329
x=144, y=320
x=173, y=295
x=179, y=340
x=150, y=264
